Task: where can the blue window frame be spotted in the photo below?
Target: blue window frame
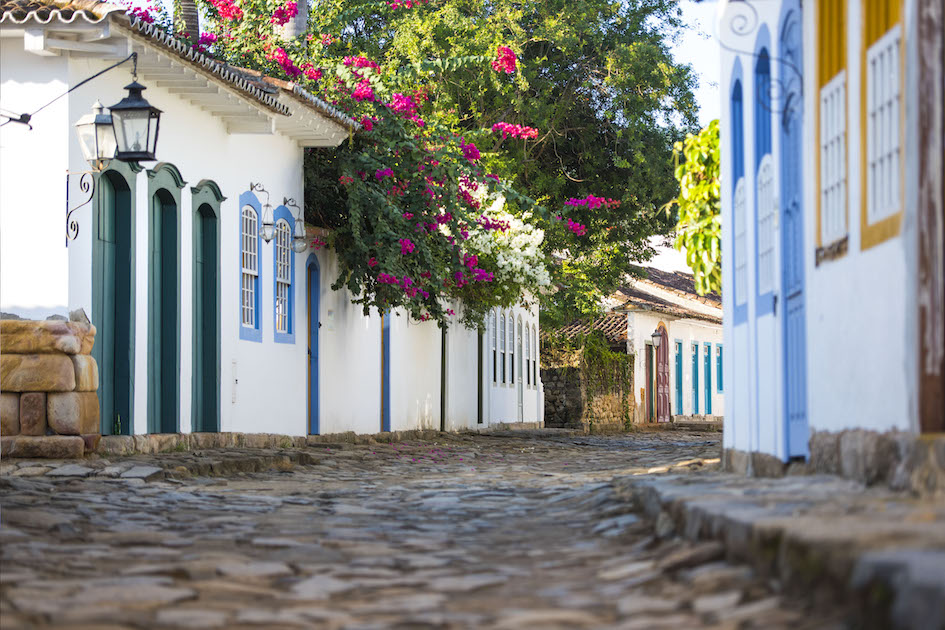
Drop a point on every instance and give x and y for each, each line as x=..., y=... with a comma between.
x=765, y=212
x=283, y=276
x=739, y=219
x=250, y=268
x=679, y=366
x=695, y=377
x=718, y=367
x=707, y=366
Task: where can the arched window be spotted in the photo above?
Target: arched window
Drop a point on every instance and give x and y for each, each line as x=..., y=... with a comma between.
x=494, y=325
x=502, y=345
x=534, y=356
x=512, y=348
x=250, y=328
x=283, y=265
x=739, y=201
x=528, y=357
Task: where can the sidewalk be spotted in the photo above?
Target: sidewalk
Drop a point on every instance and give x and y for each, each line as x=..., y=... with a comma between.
x=827, y=536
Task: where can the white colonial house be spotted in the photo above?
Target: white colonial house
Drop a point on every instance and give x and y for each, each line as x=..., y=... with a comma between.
x=675, y=336
x=832, y=205
x=202, y=324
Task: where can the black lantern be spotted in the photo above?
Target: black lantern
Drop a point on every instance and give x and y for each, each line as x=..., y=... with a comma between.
x=657, y=337
x=136, y=125
x=96, y=137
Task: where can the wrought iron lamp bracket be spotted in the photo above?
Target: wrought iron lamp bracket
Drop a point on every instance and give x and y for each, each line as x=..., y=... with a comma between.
x=87, y=186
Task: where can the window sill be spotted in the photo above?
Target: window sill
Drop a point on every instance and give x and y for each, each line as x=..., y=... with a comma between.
x=834, y=251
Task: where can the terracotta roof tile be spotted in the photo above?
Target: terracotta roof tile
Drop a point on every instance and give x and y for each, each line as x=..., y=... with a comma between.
x=612, y=325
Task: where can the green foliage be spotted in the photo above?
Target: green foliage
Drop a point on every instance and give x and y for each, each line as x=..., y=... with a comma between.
x=699, y=227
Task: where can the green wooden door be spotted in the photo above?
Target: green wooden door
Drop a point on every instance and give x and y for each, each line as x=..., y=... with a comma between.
x=206, y=312
x=164, y=312
x=113, y=299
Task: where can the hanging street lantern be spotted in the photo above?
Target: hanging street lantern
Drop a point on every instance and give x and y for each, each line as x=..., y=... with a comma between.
x=136, y=125
x=268, y=227
x=96, y=137
x=299, y=244
x=657, y=337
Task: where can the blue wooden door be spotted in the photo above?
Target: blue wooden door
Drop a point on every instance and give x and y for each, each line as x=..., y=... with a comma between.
x=695, y=378
x=313, y=325
x=707, y=368
x=792, y=233
x=679, y=360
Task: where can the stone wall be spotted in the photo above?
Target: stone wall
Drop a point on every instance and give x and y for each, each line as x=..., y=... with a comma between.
x=48, y=388
x=897, y=459
x=568, y=405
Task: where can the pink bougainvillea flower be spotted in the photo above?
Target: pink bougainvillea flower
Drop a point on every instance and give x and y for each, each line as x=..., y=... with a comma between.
x=227, y=10
x=516, y=131
x=402, y=104
x=406, y=246
x=360, y=62
x=367, y=123
x=363, y=92
x=372, y=262
x=470, y=260
x=592, y=202
x=381, y=173
x=327, y=39
x=386, y=278
x=284, y=13
x=311, y=72
x=505, y=60
x=344, y=179
x=576, y=227
x=470, y=152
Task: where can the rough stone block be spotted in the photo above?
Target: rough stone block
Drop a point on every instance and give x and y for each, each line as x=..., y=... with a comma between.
x=88, y=341
x=825, y=452
x=42, y=337
x=49, y=447
x=9, y=414
x=36, y=373
x=6, y=445
x=33, y=413
x=116, y=445
x=86, y=373
x=91, y=441
x=73, y=413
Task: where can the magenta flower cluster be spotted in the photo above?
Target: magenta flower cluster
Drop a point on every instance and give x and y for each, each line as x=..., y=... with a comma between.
x=576, y=227
x=516, y=131
x=505, y=60
x=381, y=173
x=228, y=10
x=363, y=92
x=406, y=246
x=284, y=13
x=470, y=152
x=493, y=224
x=593, y=202
x=281, y=57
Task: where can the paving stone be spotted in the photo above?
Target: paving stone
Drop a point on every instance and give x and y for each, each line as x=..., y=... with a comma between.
x=467, y=583
x=642, y=604
x=320, y=587
x=31, y=471
x=191, y=618
x=147, y=473
x=253, y=569
x=716, y=602
x=70, y=470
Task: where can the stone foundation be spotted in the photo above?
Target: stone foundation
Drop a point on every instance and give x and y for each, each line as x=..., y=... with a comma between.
x=897, y=459
x=49, y=384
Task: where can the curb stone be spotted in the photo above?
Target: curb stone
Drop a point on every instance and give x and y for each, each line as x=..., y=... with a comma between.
x=883, y=551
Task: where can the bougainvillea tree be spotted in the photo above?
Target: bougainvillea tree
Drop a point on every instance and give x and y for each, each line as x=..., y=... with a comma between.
x=466, y=105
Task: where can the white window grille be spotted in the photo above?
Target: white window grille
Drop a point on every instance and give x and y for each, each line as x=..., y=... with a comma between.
x=502, y=342
x=250, y=271
x=833, y=160
x=528, y=357
x=495, y=353
x=882, y=126
x=741, y=244
x=283, y=275
x=767, y=211
x=511, y=348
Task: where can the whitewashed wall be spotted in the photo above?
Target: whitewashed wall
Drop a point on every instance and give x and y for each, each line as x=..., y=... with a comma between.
x=752, y=366
x=861, y=324
x=34, y=270
x=641, y=325
x=503, y=398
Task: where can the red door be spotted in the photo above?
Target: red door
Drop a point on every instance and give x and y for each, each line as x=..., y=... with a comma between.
x=662, y=378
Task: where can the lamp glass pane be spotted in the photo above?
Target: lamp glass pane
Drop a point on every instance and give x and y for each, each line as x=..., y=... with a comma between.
x=86, y=135
x=153, y=132
x=131, y=129
x=106, y=141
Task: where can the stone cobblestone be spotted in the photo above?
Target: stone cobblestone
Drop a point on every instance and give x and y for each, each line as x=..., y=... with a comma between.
x=503, y=531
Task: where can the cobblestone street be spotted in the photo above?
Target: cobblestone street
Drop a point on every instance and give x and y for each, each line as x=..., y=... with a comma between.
x=512, y=531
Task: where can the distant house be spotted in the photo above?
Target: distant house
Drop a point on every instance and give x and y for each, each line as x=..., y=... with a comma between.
x=682, y=376
x=202, y=324
x=832, y=203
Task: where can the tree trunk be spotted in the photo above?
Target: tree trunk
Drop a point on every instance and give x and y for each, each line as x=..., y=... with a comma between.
x=186, y=19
